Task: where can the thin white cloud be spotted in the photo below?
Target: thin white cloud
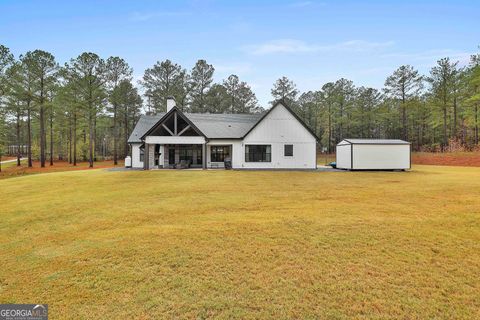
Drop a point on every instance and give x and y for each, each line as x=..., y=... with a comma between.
x=431, y=56
x=233, y=68
x=280, y=46
x=303, y=4
x=361, y=45
x=292, y=46
x=145, y=16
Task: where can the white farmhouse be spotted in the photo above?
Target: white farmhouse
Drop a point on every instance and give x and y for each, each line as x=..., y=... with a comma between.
x=276, y=139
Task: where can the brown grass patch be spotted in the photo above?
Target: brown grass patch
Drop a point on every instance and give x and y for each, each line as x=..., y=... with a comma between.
x=7, y=158
x=463, y=159
x=12, y=170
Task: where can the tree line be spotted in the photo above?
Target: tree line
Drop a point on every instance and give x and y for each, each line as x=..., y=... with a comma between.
x=85, y=109
x=195, y=91
x=66, y=112
x=434, y=112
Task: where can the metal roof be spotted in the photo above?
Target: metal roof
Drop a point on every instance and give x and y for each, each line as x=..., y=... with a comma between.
x=375, y=141
x=213, y=125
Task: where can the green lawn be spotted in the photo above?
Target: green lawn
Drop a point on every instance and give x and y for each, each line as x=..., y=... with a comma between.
x=244, y=244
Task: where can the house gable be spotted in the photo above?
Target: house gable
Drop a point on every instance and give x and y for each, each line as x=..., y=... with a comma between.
x=173, y=123
x=289, y=142
x=285, y=109
x=280, y=121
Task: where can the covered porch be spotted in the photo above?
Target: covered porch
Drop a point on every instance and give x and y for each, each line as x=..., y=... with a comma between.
x=174, y=142
x=185, y=155
x=163, y=152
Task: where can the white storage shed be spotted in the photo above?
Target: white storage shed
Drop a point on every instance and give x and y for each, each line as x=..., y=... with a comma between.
x=373, y=154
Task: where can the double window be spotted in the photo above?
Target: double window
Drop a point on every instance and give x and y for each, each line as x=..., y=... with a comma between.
x=258, y=153
x=219, y=153
x=186, y=153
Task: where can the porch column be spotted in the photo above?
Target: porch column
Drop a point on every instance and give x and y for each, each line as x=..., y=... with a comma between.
x=204, y=156
x=151, y=155
x=145, y=156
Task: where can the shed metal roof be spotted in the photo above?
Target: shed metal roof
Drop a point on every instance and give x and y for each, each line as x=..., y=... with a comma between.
x=374, y=141
x=214, y=126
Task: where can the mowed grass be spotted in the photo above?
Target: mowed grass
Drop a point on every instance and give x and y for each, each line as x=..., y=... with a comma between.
x=244, y=244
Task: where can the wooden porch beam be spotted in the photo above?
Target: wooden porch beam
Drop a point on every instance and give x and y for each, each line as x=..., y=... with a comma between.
x=166, y=128
x=184, y=129
x=175, y=124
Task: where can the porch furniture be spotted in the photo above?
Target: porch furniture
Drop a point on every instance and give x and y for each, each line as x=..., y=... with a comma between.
x=184, y=164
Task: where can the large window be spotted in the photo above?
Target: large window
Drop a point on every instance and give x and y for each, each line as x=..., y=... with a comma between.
x=288, y=150
x=186, y=153
x=219, y=153
x=258, y=153
x=142, y=153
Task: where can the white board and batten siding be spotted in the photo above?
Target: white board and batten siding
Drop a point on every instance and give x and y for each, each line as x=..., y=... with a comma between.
x=277, y=129
x=344, y=159
x=372, y=154
x=136, y=163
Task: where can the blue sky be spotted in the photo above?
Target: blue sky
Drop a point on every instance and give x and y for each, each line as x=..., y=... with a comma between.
x=311, y=42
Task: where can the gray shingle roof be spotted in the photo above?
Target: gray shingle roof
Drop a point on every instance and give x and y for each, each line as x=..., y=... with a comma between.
x=142, y=126
x=214, y=126
x=224, y=125
x=376, y=141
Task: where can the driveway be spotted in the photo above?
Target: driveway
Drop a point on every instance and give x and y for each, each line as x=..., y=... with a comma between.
x=8, y=161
